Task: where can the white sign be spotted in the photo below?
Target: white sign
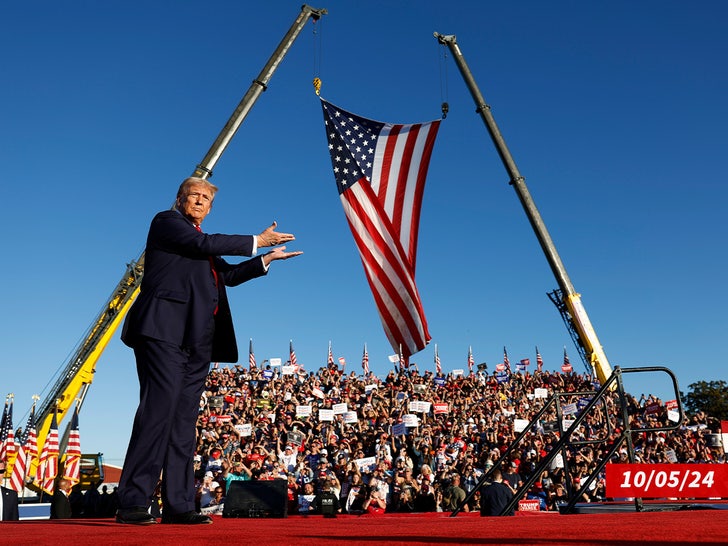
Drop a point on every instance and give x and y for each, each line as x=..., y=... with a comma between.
x=318, y=393
x=418, y=406
x=411, y=420
x=519, y=425
x=569, y=409
x=366, y=464
x=246, y=429
x=326, y=415
x=340, y=408
x=350, y=418
x=288, y=370
x=303, y=411
x=275, y=361
x=457, y=372
x=540, y=393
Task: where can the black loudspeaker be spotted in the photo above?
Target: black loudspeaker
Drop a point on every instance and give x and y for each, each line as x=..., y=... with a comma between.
x=256, y=499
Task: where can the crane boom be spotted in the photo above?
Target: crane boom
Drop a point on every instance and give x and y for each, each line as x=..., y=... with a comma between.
x=577, y=317
x=78, y=373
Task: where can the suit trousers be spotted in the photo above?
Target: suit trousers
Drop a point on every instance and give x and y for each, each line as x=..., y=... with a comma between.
x=163, y=438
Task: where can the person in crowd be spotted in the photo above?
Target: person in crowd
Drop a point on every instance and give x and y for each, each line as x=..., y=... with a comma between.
x=60, y=504
x=495, y=497
x=375, y=504
x=326, y=503
x=453, y=495
x=306, y=500
x=179, y=323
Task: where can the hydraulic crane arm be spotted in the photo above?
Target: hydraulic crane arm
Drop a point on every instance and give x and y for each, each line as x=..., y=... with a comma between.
x=577, y=317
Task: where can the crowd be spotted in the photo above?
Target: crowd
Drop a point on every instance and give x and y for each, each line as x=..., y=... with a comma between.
x=416, y=442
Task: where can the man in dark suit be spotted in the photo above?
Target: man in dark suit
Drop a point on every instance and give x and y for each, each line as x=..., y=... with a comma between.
x=8, y=504
x=60, y=505
x=180, y=323
x=496, y=496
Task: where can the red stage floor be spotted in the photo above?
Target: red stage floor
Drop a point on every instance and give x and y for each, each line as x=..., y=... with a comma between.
x=685, y=527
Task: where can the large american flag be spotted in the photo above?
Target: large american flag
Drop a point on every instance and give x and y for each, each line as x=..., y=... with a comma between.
x=251, y=356
x=27, y=452
x=48, y=463
x=380, y=171
x=72, y=467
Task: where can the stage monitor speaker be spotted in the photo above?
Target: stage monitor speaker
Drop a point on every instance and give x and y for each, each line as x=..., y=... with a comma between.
x=257, y=499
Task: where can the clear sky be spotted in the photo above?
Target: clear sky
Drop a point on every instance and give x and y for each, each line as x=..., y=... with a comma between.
x=615, y=112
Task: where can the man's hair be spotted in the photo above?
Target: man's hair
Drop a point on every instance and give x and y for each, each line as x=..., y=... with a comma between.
x=184, y=187
x=496, y=475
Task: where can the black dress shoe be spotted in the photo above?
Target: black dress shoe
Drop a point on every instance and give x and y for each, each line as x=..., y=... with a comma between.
x=135, y=516
x=187, y=518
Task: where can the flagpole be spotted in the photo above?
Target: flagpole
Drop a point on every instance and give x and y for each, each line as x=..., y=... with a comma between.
x=570, y=298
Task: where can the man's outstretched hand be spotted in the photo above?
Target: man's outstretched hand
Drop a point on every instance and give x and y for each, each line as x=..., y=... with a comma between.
x=270, y=237
x=279, y=254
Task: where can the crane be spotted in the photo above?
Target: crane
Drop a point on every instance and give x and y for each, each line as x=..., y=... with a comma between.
x=566, y=298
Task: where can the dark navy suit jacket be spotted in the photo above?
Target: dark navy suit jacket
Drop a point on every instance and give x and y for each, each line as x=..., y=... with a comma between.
x=178, y=296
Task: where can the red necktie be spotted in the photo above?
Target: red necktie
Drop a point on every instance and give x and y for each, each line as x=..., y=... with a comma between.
x=212, y=268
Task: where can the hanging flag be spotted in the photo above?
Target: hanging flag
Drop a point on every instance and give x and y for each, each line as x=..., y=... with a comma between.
x=566, y=366
x=471, y=361
x=251, y=356
x=7, y=433
x=438, y=366
x=539, y=361
x=403, y=361
x=365, y=361
x=505, y=360
x=292, y=354
x=330, y=358
x=27, y=452
x=48, y=463
x=380, y=171
x=72, y=466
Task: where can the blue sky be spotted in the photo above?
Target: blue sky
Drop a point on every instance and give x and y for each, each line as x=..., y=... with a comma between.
x=615, y=113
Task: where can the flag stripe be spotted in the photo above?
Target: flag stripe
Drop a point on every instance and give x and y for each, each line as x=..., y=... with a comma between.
x=398, y=299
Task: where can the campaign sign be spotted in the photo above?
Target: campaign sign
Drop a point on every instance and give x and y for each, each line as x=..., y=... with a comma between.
x=528, y=505
x=340, y=408
x=326, y=415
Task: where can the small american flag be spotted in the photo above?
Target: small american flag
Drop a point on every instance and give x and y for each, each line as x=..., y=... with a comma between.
x=72, y=467
x=330, y=358
x=27, y=453
x=365, y=361
x=539, y=361
x=292, y=354
x=438, y=365
x=251, y=356
x=7, y=433
x=566, y=366
x=380, y=170
x=505, y=360
x=471, y=361
x=48, y=463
